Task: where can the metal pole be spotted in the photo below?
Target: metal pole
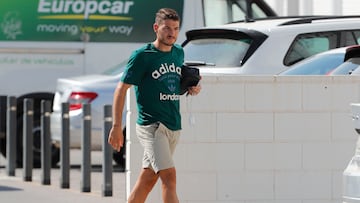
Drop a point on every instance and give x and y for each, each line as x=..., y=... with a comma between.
x=45, y=142
x=3, y=109
x=107, y=166
x=11, y=136
x=85, y=148
x=28, y=139
x=65, y=147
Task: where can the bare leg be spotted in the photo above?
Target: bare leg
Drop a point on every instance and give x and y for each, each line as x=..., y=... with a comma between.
x=143, y=186
x=168, y=179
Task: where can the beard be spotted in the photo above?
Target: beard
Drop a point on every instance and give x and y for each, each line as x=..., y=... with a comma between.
x=168, y=41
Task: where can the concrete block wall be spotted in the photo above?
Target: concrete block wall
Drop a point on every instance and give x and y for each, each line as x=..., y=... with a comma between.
x=256, y=139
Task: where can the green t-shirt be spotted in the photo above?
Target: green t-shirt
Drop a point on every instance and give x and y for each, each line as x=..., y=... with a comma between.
x=156, y=76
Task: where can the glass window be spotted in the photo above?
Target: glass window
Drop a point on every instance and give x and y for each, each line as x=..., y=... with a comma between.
x=218, y=12
x=357, y=36
x=351, y=66
x=238, y=12
x=216, y=51
x=349, y=38
x=306, y=45
x=316, y=65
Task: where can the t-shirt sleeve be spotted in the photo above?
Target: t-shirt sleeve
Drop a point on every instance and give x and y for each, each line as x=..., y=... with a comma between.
x=134, y=71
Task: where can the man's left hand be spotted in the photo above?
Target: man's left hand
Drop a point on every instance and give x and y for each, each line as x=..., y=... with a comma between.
x=194, y=90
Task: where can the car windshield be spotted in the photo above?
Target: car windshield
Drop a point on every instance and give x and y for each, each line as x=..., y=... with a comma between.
x=117, y=69
x=217, y=52
x=316, y=65
x=346, y=68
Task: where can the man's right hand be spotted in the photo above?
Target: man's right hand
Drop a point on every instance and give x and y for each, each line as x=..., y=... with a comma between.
x=116, y=138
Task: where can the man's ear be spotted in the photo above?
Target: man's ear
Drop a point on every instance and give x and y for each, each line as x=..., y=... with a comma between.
x=155, y=27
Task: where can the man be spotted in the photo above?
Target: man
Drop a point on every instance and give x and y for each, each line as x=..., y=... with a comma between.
x=155, y=71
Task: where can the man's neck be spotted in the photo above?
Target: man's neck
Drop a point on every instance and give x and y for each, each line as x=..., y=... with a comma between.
x=161, y=46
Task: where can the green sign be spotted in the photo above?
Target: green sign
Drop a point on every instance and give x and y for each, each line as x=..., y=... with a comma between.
x=81, y=20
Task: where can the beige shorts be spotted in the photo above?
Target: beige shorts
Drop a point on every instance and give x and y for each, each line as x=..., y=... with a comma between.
x=159, y=144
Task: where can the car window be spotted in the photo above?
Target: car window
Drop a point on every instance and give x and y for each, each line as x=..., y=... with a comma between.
x=316, y=65
x=224, y=52
x=346, y=68
x=357, y=36
x=306, y=45
x=351, y=66
x=350, y=38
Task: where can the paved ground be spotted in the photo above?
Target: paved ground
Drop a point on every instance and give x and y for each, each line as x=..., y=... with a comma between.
x=14, y=189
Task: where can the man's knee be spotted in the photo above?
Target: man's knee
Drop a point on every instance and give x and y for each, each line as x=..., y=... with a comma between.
x=168, y=178
x=148, y=176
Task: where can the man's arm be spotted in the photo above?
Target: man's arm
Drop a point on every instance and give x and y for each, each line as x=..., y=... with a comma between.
x=116, y=137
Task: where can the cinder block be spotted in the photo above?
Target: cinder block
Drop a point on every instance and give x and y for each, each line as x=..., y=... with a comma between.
x=189, y=190
x=318, y=156
x=302, y=126
x=259, y=156
x=238, y=127
x=273, y=156
x=245, y=186
x=228, y=96
x=200, y=157
x=198, y=127
x=259, y=95
x=288, y=94
x=337, y=185
x=317, y=93
x=342, y=127
x=342, y=152
x=230, y=157
x=288, y=156
x=303, y=185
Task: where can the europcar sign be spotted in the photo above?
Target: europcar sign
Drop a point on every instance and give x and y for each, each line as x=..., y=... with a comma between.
x=81, y=20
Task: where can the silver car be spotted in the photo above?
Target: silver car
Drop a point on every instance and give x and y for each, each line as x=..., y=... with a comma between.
x=324, y=63
x=95, y=89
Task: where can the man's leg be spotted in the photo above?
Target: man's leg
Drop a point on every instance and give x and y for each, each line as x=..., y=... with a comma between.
x=168, y=179
x=143, y=186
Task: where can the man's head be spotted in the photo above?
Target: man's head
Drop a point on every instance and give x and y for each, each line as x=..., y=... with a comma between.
x=166, y=14
x=166, y=26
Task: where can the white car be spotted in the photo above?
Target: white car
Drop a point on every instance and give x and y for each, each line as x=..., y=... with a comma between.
x=265, y=46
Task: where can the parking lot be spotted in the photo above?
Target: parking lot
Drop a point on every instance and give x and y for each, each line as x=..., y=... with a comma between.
x=14, y=189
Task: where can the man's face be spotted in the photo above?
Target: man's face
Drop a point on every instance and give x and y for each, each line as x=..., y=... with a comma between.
x=167, y=32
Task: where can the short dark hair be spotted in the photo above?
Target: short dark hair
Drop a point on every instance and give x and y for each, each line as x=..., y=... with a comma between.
x=166, y=14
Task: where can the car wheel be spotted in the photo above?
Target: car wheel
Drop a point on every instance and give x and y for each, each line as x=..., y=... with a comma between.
x=120, y=157
x=3, y=147
x=55, y=151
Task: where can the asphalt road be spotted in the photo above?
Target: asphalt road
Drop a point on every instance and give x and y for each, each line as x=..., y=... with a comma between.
x=14, y=189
